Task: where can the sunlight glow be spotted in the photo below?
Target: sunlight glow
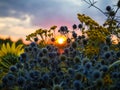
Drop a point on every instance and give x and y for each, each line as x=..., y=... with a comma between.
x=61, y=39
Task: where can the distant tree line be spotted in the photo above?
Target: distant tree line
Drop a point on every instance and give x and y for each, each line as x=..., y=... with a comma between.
x=8, y=40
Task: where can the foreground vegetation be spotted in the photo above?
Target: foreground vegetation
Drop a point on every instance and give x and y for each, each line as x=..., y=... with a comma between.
x=90, y=61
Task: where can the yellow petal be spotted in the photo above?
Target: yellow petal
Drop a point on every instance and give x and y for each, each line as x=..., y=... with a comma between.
x=20, y=52
x=8, y=48
x=3, y=46
x=1, y=54
x=13, y=47
x=18, y=49
x=4, y=49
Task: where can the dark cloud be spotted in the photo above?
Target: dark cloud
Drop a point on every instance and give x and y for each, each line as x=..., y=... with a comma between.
x=40, y=9
x=47, y=11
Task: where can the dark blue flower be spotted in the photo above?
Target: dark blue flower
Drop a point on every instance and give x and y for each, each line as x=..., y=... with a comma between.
x=118, y=54
x=80, y=26
x=26, y=49
x=45, y=60
x=74, y=26
x=52, y=74
x=19, y=65
x=36, y=39
x=63, y=30
x=35, y=49
x=105, y=68
x=9, y=80
x=10, y=77
x=105, y=47
x=108, y=8
x=13, y=68
x=96, y=74
x=98, y=65
x=115, y=75
x=71, y=48
x=74, y=35
x=66, y=28
x=33, y=44
x=88, y=65
x=4, y=80
x=34, y=75
x=68, y=40
x=77, y=84
x=66, y=50
x=107, y=55
x=53, y=39
x=45, y=77
x=26, y=66
x=21, y=81
x=30, y=48
x=71, y=71
x=60, y=73
x=76, y=58
x=74, y=44
x=39, y=60
x=51, y=55
x=49, y=47
x=23, y=56
x=40, y=54
x=102, y=62
x=63, y=57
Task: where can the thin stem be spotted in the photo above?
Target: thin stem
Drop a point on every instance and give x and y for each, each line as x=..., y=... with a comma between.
x=99, y=10
x=115, y=13
x=92, y=4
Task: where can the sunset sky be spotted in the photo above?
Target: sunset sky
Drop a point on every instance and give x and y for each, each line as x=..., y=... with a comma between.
x=19, y=18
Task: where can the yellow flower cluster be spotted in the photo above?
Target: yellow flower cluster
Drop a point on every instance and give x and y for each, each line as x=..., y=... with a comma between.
x=97, y=35
x=95, y=32
x=107, y=80
x=28, y=37
x=43, y=33
x=87, y=20
x=91, y=50
x=112, y=26
x=110, y=22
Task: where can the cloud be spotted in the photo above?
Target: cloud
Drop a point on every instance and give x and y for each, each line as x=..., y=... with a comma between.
x=41, y=9
x=16, y=27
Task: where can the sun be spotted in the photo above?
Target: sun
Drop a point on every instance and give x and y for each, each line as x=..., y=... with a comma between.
x=61, y=39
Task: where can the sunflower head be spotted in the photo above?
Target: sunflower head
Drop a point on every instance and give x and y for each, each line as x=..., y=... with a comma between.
x=9, y=56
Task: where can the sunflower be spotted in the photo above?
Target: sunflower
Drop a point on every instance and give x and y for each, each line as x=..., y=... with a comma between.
x=9, y=56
